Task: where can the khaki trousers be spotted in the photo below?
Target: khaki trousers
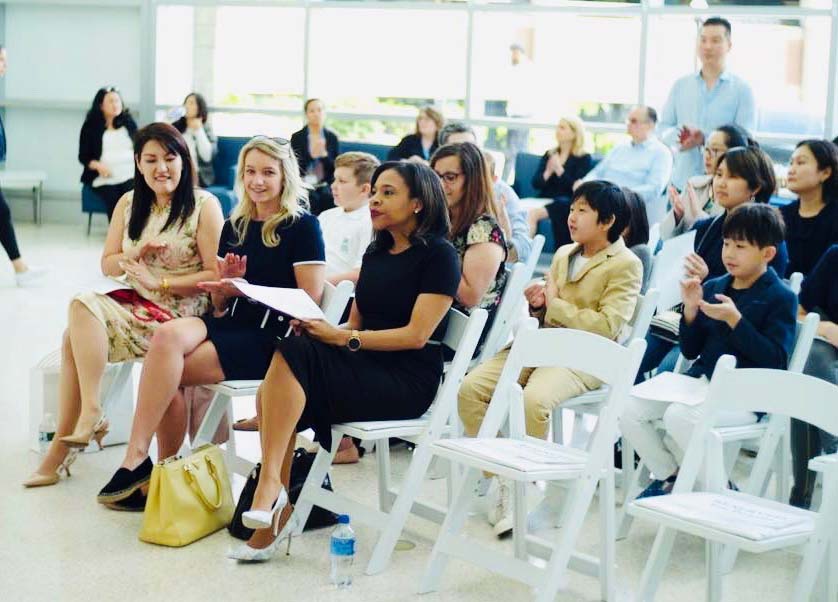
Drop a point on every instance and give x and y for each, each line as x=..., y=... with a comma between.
x=544, y=389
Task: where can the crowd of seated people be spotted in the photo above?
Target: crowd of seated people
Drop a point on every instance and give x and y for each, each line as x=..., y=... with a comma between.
x=430, y=229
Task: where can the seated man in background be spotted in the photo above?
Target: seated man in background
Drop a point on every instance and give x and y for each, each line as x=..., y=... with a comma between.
x=643, y=164
x=519, y=242
x=748, y=313
x=593, y=285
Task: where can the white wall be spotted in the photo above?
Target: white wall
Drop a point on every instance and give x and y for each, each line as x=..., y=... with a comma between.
x=58, y=57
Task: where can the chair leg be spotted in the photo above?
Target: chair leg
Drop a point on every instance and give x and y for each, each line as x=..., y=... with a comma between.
x=713, y=552
x=319, y=469
x=608, y=537
x=631, y=491
x=89, y=222
x=399, y=511
x=656, y=563
x=519, y=531
x=832, y=555
x=807, y=575
x=453, y=524
x=382, y=456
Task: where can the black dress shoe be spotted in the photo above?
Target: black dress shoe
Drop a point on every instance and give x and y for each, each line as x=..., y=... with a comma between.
x=125, y=482
x=133, y=503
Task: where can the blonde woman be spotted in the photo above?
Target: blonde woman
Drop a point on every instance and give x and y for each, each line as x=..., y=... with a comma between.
x=423, y=142
x=270, y=240
x=559, y=169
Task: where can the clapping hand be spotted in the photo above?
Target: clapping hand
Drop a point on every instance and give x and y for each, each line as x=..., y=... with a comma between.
x=724, y=311
x=696, y=267
x=690, y=137
x=138, y=270
x=223, y=287
x=535, y=294
x=675, y=201
x=691, y=293
x=317, y=148
x=149, y=248
x=231, y=266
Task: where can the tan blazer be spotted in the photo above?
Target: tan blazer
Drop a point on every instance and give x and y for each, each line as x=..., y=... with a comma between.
x=601, y=298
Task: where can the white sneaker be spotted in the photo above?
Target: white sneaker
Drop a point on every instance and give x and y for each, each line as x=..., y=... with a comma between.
x=547, y=515
x=500, y=508
x=31, y=275
x=482, y=487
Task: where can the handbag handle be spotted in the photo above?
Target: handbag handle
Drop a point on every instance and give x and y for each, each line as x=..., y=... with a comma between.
x=194, y=482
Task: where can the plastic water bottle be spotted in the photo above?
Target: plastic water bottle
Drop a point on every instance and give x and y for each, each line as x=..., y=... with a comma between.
x=342, y=549
x=46, y=432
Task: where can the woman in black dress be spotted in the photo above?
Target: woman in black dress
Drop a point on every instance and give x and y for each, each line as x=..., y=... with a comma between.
x=270, y=240
x=422, y=143
x=386, y=363
x=559, y=169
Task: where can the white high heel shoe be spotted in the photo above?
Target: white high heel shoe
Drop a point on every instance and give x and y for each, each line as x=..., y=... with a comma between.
x=264, y=519
x=244, y=553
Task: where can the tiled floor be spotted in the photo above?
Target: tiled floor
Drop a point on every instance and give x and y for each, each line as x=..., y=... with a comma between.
x=56, y=543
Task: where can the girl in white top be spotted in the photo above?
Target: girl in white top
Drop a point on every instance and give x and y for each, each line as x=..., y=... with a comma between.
x=199, y=137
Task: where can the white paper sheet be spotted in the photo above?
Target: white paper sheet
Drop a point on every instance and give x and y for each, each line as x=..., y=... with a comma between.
x=292, y=302
x=673, y=388
x=669, y=269
x=107, y=284
x=737, y=514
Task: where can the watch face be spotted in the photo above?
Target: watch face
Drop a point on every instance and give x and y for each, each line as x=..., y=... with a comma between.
x=354, y=344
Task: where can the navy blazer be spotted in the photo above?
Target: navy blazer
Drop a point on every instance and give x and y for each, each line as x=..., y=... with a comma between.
x=299, y=143
x=709, y=242
x=764, y=336
x=409, y=146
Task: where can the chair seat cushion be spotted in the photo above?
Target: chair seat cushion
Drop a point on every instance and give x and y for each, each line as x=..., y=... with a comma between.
x=729, y=513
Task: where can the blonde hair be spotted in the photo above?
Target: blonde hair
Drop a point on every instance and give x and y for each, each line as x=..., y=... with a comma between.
x=432, y=114
x=361, y=164
x=293, y=197
x=578, y=128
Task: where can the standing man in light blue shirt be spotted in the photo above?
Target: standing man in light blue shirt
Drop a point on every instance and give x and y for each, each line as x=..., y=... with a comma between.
x=701, y=102
x=644, y=164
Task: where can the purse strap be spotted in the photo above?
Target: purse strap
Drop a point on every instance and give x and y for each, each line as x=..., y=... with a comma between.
x=197, y=486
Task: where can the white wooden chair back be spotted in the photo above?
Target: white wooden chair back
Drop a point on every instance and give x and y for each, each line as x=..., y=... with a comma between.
x=334, y=300
x=506, y=314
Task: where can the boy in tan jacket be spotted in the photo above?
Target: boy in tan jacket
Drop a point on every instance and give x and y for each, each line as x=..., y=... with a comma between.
x=593, y=285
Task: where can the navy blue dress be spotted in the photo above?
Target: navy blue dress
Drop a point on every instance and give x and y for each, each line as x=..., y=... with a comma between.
x=243, y=339
x=344, y=386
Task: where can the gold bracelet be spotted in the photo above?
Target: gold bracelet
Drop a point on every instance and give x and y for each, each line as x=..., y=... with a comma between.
x=164, y=286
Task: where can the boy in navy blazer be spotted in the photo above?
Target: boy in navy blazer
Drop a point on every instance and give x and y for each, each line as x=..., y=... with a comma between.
x=749, y=313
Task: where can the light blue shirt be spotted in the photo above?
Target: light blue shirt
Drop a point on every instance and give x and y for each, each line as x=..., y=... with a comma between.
x=691, y=103
x=517, y=219
x=644, y=167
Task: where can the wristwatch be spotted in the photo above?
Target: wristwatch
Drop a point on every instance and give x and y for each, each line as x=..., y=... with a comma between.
x=354, y=342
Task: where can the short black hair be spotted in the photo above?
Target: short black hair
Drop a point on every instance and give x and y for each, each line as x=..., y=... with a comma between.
x=759, y=224
x=608, y=201
x=638, y=224
x=755, y=167
x=719, y=21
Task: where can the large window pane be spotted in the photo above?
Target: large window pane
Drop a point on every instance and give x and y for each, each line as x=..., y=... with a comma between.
x=173, y=66
x=388, y=61
x=556, y=75
x=785, y=62
x=259, y=57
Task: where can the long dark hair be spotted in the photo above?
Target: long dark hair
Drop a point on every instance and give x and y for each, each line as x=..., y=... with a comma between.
x=423, y=184
x=203, y=111
x=477, y=192
x=736, y=135
x=94, y=114
x=183, y=198
x=826, y=155
x=638, y=223
x=755, y=167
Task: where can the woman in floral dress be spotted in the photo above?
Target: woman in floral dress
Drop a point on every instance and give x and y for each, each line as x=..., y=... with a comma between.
x=163, y=240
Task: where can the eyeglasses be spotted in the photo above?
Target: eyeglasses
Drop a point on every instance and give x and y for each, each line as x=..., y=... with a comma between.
x=449, y=176
x=713, y=152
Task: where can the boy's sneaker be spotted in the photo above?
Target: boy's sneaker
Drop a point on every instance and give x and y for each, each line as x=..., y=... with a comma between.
x=500, y=508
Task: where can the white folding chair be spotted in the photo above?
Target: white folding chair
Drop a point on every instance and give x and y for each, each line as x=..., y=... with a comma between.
x=535, y=254
x=525, y=459
x=333, y=303
x=749, y=522
x=592, y=401
x=773, y=453
x=461, y=335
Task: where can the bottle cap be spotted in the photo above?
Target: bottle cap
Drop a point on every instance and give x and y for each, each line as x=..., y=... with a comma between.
x=343, y=519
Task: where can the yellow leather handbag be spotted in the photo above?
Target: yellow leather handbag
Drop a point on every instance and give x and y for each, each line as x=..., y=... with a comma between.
x=188, y=498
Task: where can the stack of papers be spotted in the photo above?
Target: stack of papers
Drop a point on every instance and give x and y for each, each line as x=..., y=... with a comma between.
x=673, y=388
x=669, y=269
x=292, y=302
x=734, y=513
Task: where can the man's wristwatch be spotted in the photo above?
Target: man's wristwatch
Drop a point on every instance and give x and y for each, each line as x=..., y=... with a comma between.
x=354, y=342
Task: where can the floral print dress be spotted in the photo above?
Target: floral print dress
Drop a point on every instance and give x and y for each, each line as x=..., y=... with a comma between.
x=131, y=323
x=484, y=229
